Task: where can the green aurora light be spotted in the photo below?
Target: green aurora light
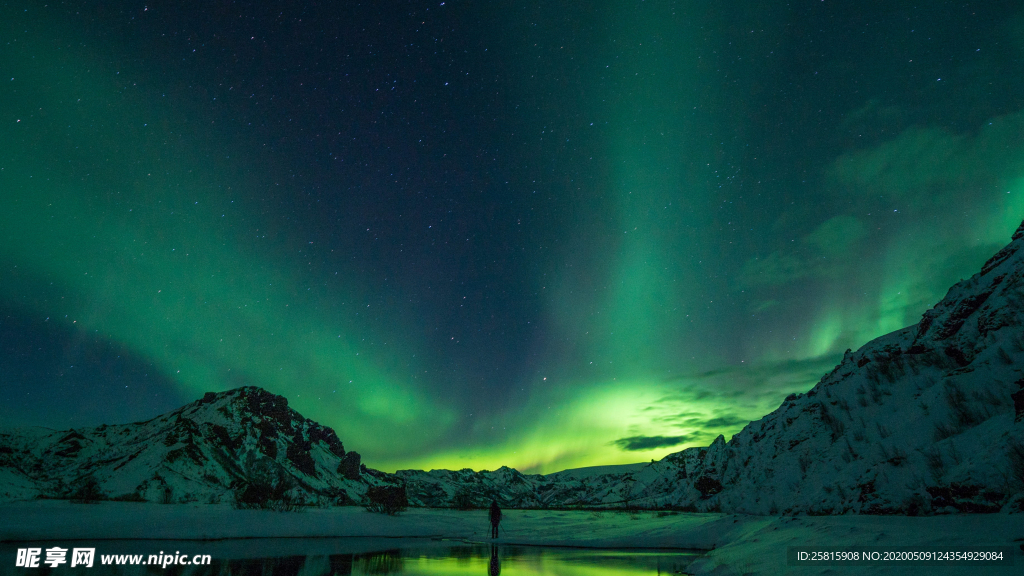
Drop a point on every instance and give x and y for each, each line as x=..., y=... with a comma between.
x=124, y=216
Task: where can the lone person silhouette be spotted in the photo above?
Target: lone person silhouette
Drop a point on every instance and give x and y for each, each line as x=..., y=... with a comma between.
x=495, y=517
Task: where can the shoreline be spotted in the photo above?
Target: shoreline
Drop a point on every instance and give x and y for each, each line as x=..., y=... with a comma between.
x=728, y=544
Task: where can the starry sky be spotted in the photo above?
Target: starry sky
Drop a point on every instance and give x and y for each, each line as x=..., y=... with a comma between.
x=472, y=234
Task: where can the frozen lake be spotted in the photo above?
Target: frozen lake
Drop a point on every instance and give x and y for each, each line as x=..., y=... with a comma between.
x=355, y=556
x=587, y=542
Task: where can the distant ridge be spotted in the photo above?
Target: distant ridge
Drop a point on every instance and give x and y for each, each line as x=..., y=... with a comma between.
x=589, y=471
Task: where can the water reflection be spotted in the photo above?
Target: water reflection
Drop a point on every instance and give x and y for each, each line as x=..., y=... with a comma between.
x=517, y=560
x=277, y=558
x=495, y=569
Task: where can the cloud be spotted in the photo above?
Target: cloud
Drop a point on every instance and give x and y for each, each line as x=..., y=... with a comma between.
x=764, y=305
x=930, y=168
x=701, y=421
x=722, y=422
x=836, y=236
x=774, y=269
x=925, y=187
x=821, y=254
x=723, y=401
x=638, y=443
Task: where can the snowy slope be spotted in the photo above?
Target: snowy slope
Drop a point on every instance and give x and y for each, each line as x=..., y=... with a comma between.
x=927, y=419
x=208, y=451
x=591, y=487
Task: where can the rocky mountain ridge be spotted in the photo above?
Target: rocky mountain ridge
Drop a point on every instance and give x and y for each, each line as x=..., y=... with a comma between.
x=244, y=444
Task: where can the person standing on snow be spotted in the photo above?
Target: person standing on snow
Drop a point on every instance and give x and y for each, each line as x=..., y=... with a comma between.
x=495, y=517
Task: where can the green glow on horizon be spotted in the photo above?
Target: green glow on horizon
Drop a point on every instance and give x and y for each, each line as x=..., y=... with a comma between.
x=576, y=426
x=570, y=431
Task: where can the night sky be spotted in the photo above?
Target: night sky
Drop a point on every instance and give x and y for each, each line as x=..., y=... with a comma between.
x=473, y=234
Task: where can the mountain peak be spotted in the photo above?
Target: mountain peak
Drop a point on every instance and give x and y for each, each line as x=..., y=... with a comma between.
x=253, y=395
x=243, y=404
x=960, y=324
x=213, y=449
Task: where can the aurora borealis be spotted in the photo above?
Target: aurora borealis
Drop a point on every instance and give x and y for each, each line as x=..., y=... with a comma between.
x=483, y=234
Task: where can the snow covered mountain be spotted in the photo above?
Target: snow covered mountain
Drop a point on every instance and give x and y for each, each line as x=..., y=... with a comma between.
x=925, y=420
x=245, y=444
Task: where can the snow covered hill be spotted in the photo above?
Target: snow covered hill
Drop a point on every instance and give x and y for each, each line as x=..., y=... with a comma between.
x=245, y=444
x=570, y=488
x=925, y=420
